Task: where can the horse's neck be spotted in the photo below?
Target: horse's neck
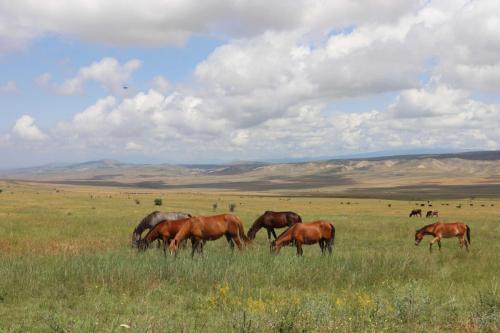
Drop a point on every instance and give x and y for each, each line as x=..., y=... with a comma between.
x=284, y=239
x=430, y=230
x=257, y=224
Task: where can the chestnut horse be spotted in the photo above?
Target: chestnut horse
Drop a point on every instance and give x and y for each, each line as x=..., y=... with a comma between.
x=321, y=232
x=271, y=220
x=444, y=230
x=165, y=230
x=416, y=212
x=205, y=228
x=152, y=219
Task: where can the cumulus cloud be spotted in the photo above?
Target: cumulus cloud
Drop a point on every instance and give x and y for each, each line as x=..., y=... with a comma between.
x=26, y=129
x=271, y=86
x=112, y=76
x=160, y=84
x=8, y=87
x=155, y=23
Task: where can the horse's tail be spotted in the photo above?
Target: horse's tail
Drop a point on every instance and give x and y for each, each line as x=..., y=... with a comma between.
x=241, y=231
x=299, y=219
x=332, y=241
x=468, y=233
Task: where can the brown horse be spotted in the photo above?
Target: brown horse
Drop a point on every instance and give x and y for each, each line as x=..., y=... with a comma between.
x=271, y=220
x=150, y=220
x=416, y=212
x=205, y=228
x=431, y=213
x=165, y=230
x=444, y=230
x=321, y=232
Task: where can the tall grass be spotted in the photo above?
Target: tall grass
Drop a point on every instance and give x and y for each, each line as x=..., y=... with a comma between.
x=77, y=273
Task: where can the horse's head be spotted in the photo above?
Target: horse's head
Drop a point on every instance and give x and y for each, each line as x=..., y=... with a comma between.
x=135, y=239
x=273, y=248
x=418, y=236
x=142, y=244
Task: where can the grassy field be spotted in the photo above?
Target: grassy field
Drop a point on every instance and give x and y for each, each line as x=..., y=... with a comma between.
x=66, y=265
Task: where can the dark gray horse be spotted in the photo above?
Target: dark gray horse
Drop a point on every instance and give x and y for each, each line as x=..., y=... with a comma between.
x=153, y=219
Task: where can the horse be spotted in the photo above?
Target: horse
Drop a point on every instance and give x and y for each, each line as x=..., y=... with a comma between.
x=165, y=230
x=321, y=232
x=207, y=228
x=435, y=213
x=429, y=213
x=416, y=212
x=271, y=220
x=444, y=230
x=150, y=220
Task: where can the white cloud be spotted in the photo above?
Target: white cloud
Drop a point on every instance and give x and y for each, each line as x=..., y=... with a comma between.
x=26, y=129
x=132, y=146
x=112, y=76
x=160, y=84
x=156, y=23
x=270, y=88
x=8, y=87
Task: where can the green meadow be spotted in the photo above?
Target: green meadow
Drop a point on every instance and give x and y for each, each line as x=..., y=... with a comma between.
x=66, y=265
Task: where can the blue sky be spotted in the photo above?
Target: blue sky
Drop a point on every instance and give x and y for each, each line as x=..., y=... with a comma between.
x=225, y=80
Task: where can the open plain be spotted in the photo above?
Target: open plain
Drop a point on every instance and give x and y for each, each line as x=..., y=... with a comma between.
x=66, y=265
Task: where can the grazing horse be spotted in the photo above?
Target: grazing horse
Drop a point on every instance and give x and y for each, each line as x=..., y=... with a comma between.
x=321, y=232
x=444, y=230
x=149, y=221
x=431, y=213
x=165, y=231
x=205, y=228
x=270, y=220
x=416, y=212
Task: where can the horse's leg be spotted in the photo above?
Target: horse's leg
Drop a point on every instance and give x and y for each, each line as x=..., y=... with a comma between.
x=435, y=239
x=158, y=244
x=322, y=247
x=274, y=234
x=236, y=239
x=299, y=248
x=230, y=241
x=165, y=244
x=439, y=244
x=268, y=235
x=329, y=247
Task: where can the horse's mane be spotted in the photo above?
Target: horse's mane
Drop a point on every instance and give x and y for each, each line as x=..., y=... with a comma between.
x=426, y=226
x=145, y=220
x=285, y=233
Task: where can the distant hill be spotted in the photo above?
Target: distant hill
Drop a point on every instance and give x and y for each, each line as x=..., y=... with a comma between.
x=471, y=173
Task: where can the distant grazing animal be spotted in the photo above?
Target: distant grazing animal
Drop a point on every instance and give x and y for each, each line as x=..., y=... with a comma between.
x=207, y=228
x=321, y=232
x=165, y=230
x=416, y=212
x=270, y=220
x=431, y=213
x=150, y=220
x=444, y=230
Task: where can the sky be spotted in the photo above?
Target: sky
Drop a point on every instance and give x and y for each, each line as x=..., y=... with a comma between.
x=185, y=81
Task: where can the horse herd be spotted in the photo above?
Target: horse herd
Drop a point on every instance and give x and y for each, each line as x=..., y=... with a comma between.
x=174, y=229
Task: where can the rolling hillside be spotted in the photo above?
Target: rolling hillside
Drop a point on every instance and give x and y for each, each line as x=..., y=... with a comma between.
x=467, y=174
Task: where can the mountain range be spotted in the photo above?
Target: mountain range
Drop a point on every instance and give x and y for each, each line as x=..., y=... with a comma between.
x=404, y=176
